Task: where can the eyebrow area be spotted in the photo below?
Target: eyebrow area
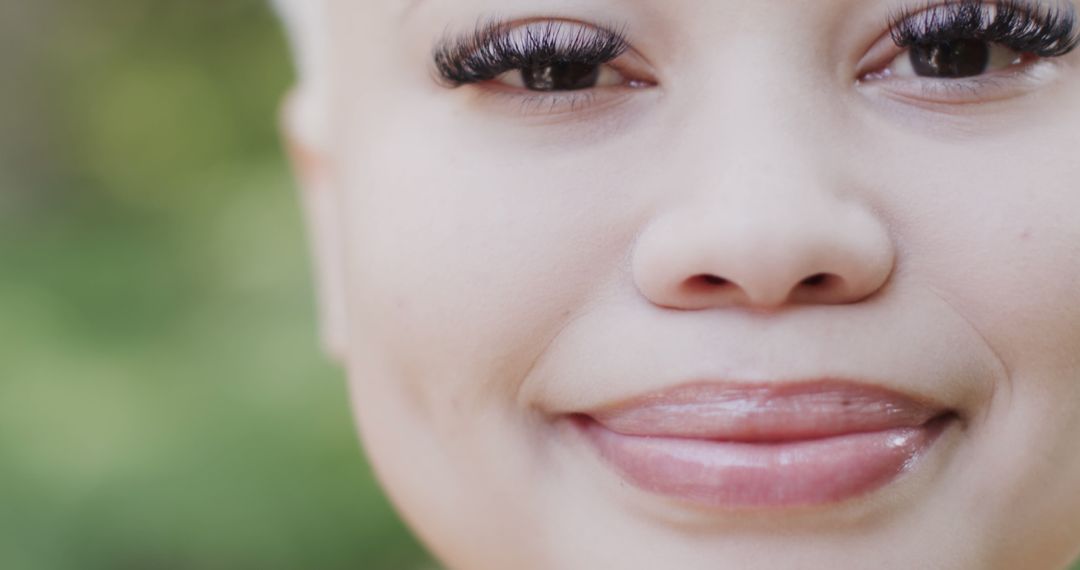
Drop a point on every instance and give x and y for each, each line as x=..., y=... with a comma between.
x=408, y=7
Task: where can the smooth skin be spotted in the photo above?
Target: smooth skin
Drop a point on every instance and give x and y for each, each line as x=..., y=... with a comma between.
x=486, y=267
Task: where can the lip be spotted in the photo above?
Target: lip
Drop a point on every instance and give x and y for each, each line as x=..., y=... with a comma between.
x=740, y=445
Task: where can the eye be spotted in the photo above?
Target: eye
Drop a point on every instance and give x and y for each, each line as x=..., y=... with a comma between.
x=953, y=59
x=563, y=76
x=970, y=51
x=551, y=68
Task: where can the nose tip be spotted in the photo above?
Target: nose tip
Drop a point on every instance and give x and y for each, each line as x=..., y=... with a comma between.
x=763, y=261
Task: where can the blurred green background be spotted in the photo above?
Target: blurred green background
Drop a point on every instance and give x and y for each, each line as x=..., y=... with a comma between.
x=163, y=402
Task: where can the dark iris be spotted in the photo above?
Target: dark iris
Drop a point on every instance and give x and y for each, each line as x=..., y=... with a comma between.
x=950, y=59
x=566, y=76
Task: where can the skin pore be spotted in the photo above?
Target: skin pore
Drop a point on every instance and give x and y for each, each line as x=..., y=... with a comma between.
x=755, y=191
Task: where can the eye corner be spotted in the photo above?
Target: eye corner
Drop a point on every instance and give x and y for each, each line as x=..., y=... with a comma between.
x=881, y=52
x=442, y=77
x=876, y=74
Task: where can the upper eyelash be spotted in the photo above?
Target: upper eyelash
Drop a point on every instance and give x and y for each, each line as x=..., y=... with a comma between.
x=492, y=50
x=1020, y=25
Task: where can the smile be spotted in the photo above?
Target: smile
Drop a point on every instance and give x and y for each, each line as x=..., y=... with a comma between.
x=765, y=446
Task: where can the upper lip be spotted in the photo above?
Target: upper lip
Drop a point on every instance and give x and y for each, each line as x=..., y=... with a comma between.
x=766, y=412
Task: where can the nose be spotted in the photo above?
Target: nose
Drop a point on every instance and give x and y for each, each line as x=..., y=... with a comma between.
x=762, y=256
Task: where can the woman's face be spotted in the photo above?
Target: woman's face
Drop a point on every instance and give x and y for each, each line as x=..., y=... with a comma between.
x=765, y=290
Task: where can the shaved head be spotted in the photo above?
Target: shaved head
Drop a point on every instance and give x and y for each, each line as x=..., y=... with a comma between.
x=303, y=19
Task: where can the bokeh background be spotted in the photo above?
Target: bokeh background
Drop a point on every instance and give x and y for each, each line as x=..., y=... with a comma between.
x=163, y=401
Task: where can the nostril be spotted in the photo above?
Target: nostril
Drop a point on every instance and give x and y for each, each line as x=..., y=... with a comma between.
x=705, y=282
x=809, y=289
x=816, y=280
x=712, y=279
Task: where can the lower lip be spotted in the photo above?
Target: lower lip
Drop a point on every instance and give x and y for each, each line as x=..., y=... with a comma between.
x=720, y=474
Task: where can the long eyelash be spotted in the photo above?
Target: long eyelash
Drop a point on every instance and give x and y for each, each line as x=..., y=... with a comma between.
x=495, y=48
x=1020, y=25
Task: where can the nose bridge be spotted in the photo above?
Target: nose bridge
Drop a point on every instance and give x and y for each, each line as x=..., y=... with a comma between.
x=770, y=160
x=766, y=126
x=767, y=130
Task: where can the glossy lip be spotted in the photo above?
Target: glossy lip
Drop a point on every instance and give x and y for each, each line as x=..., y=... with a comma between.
x=729, y=445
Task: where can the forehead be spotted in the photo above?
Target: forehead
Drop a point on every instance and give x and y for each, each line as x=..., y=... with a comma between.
x=293, y=9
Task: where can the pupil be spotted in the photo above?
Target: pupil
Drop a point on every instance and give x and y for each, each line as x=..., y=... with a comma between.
x=953, y=59
x=566, y=76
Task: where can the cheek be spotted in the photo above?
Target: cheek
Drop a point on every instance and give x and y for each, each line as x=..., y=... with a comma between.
x=995, y=235
x=463, y=266
x=997, y=238
x=465, y=263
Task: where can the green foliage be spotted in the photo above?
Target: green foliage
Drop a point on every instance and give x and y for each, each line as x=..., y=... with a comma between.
x=163, y=403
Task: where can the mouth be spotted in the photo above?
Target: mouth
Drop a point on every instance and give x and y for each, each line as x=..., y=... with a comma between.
x=739, y=446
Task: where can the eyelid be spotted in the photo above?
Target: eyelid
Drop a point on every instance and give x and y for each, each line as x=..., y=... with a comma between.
x=966, y=94
x=552, y=105
x=1044, y=28
x=949, y=95
x=497, y=46
x=881, y=53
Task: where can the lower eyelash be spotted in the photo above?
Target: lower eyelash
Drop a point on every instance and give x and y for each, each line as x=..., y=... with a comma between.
x=493, y=49
x=551, y=105
x=555, y=103
x=1020, y=25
